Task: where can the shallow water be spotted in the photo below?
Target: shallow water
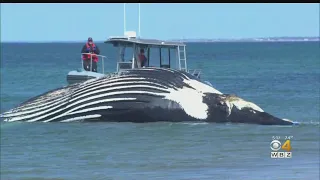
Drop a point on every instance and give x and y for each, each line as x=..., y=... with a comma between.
x=155, y=150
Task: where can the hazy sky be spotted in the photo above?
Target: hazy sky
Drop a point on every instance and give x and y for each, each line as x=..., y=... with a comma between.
x=75, y=22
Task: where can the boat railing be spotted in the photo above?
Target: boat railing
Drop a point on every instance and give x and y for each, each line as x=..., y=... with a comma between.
x=101, y=57
x=195, y=72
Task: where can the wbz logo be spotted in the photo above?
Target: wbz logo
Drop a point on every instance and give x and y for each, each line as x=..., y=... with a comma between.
x=276, y=145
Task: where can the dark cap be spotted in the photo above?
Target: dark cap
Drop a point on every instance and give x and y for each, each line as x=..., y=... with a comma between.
x=89, y=38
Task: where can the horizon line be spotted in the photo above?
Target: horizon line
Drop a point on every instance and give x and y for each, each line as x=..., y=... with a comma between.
x=253, y=39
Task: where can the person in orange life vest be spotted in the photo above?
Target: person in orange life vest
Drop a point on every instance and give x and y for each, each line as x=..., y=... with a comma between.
x=90, y=47
x=142, y=58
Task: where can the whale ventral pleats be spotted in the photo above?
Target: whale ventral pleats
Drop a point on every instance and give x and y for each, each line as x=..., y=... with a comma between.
x=140, y=95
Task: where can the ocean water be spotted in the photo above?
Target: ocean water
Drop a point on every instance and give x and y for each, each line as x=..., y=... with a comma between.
x=282, y=78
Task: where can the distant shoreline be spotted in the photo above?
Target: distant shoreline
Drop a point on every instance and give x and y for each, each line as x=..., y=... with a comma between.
x=270, y=39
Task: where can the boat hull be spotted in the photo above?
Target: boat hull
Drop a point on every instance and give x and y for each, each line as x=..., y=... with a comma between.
x=81, y=76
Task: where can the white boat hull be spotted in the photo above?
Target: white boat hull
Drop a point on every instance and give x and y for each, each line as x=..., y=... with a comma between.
x=80, y=76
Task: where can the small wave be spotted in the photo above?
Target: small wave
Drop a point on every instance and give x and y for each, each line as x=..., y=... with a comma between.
x=317, y=123
x=301, y=123
x=195, y=124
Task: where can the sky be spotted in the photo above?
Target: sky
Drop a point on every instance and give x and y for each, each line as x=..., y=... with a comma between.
x=51, y=22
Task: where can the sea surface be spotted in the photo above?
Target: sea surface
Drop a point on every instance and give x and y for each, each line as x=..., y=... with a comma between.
x=282, y=78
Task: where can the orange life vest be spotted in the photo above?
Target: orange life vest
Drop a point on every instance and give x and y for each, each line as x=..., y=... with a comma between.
x=88, y=56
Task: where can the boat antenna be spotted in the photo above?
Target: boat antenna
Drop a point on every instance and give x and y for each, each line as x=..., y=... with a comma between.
x=139, y=21
x=124, y=18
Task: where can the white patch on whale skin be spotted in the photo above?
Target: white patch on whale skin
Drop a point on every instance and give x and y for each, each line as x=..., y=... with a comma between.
x=239, y=103
x=288, y=120
x=245, y=104
x=201, y=87
x=229, y=105
x=249, y=105
x=190, y=101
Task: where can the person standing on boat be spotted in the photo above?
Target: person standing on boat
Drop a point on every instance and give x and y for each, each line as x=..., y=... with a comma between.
x=142, y=58
x=93, y=49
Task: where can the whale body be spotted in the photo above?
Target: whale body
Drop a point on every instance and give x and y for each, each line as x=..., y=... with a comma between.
x=141, y=95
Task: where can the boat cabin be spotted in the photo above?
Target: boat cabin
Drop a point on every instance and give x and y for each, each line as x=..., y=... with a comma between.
x=164, y=54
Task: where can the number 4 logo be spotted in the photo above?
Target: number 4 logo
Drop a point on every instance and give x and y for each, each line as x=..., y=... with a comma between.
x=287, y=145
